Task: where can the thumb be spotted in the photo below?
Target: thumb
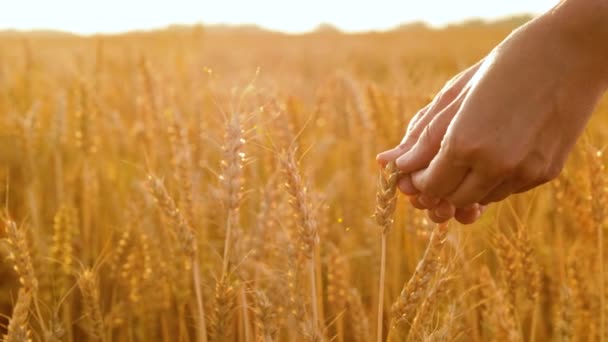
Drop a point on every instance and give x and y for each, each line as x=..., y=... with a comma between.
x=428, y=144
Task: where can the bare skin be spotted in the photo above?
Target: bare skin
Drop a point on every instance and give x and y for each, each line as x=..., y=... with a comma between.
x=508, y=123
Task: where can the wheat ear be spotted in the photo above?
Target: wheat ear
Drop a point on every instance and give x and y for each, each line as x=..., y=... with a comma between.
x=91, y=303
x=405, y=307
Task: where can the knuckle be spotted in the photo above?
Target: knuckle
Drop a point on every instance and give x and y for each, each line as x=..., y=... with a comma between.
x=429, y=136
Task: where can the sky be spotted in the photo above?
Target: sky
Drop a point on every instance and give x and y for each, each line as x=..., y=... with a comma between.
x=113, y=16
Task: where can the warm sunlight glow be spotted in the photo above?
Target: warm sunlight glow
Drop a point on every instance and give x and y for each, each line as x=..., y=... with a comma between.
x=122, y=15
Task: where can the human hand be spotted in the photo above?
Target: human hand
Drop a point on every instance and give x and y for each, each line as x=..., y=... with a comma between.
x=504, y=126
x=441, y=108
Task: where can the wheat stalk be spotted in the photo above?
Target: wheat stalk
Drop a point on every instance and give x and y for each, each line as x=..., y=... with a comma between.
x=386, y=202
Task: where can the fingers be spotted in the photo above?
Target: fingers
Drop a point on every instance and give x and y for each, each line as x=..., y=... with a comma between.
x=444, y=211
x=422, y=202
x=416, y=121
x=416, y=203
x=429, y=142
x=406, y=186
x=450, y=92
x=441, y=178
x=473, y=189
x=392, y=154
x=431, y=214
x=469, y=214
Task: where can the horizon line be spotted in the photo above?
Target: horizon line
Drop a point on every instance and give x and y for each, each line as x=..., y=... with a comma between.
x=320, y=26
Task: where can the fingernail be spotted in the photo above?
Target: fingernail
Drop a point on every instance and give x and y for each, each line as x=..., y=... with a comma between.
x=440, y=212
x=477, y=214
x=416, y=203
x=428, y=201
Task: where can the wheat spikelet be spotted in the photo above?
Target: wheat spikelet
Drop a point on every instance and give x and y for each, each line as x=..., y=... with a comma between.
x=131, y=275
x=62, y=250
x=232, y=193
x=18, y=327
x=425, y=312
x=578, y=293
x=146, y=253
x=264, y=318
x=598, y=183
x=231, y=179
x=599, y=197
x=386, y=198
x=530, y=266
x=182, y=165
x=450, y=328
x=232, y=162
x=563, y=327
x=501, y=316
x=89, y=289
x=294, y=289
x=360, y=322
x=20, y=255
x=221, y=321
x=386, y=202
x=510, y=260
x=119, y=252
x=266, y=223
x=310, y=331
x=85, y=136
x=404, y=309
x=179, y=226
x=337, y=287
x=337, y=280
x=56, y=329
x=306, y=222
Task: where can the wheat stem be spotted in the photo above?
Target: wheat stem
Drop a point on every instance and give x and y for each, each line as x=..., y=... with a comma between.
x=381, y=289
x=196, y=277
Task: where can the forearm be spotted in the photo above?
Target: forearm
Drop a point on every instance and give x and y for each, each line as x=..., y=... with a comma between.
x=584, y=25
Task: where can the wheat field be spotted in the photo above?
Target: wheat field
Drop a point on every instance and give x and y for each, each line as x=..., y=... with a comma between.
x=219, y=184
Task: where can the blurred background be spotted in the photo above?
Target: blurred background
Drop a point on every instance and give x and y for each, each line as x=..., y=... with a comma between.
x=113, y=16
